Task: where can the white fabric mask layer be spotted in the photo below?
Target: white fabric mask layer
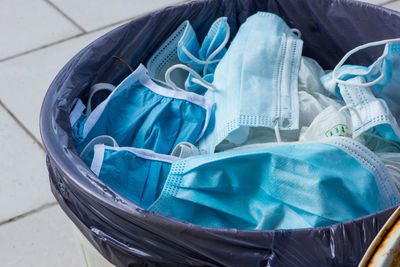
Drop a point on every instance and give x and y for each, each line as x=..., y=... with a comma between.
x=309, y=108
x=310, y=73
x=330, y=122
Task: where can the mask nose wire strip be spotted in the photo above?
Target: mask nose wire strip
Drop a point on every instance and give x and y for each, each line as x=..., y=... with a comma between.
x=277, y=133
x=195, y=74
x=222, y=45
x=352, y=109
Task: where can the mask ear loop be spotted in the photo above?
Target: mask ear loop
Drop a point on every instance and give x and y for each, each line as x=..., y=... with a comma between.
x=198, y=79
x=96, y=88
x=336, y=78
x=297, y=32
x=195, y=59
x=277, y=133
x=216, y=52
x=209, y=60
x=102, y=139
x=350, y=107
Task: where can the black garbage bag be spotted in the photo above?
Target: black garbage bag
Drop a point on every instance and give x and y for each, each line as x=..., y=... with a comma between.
x=126, y=234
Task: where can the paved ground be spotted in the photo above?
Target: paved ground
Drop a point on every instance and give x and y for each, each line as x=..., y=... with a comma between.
x=38, y=38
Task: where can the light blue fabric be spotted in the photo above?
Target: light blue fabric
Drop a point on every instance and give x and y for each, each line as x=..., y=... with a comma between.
x=346, y=72
x=195, y=87
x=182, y=46
x=142, y=114
x=372, y=93
x=369, y=112
x=256, y=81
x=288, y=186
x=137, y=174
x=88, y=152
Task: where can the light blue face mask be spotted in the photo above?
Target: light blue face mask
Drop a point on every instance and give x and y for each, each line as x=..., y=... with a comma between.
x=345, y=72
x=372, y=93
x=137, y=174
x=142, y=114
x=293, y=185
x=256, y=82
x=183, y=47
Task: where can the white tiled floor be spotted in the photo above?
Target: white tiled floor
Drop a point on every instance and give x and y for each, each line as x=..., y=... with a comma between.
x=31, y=74
x=31, y=24
x=393, y=5
x=42, y=36
x=24, y=184
x=90, y=16
x=44, y=238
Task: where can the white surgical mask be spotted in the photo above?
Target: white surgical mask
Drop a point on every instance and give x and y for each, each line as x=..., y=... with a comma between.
x=330, y=122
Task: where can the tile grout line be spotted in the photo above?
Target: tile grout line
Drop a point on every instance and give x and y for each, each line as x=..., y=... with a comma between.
x=62, y=41
x=84, y=33
x=22, y=126
x=66, y=16
x=41, y=47
x=23, y=215
x=102, y=28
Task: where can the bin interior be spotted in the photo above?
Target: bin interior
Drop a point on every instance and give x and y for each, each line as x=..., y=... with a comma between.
x=124, y=233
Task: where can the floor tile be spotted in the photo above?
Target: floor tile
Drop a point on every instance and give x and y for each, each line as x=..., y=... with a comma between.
x=28, y=77
x=25, y=25
x=24, y=181
x=93, y=14
x=42, y=239
x=394, y=5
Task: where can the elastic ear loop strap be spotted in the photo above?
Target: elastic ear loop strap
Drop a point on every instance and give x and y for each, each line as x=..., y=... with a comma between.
x=198, y=79
x=277, y=133
x=102, y=139
x=96, y=88
x=222, y=45
x=209, y=60
x=336, y=78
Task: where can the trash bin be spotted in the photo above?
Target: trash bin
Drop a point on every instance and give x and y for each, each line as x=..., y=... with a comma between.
x=127, y=235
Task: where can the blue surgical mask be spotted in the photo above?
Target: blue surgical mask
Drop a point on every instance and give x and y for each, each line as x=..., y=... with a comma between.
x=142, y=114
x=136, y=174
x=371, y=94
x=286, y=186
x=256, y=82
x=183, y=47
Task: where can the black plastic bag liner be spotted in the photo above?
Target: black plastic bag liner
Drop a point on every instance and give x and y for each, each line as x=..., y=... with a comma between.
x=126, y=234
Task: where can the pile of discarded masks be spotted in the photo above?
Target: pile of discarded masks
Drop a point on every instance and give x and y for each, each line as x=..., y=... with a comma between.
x=247, y=133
